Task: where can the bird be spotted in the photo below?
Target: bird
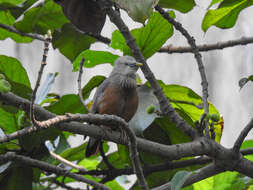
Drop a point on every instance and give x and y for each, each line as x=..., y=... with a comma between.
x=117, y=95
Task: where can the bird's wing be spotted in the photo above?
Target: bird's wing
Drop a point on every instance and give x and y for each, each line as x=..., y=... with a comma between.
x=99, y=94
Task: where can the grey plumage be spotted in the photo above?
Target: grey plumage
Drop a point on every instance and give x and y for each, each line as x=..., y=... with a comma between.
x=116, y=95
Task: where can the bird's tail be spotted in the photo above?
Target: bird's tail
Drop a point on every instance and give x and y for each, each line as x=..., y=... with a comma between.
x=92, y=147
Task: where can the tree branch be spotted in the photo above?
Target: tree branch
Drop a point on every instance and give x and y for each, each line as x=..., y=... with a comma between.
x=191, y=42
x=199, y=147
x=42, y=66
x=195, y=148
x=242, y=136
x=79, y=81
x=10, y=156
x=14, y=30
x=207, y=47
x=66, y=162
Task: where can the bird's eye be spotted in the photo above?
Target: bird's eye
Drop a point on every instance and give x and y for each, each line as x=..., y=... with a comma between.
x=126, y=63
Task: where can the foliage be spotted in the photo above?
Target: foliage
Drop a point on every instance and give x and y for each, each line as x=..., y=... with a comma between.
x=75, y=45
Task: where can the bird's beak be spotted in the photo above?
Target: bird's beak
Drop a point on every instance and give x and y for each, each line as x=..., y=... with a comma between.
x=138, y=64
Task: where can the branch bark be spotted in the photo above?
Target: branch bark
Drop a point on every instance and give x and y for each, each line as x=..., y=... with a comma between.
x=207, y=47
x=10, y=156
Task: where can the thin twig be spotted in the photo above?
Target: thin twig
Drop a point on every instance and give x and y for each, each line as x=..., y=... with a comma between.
x=165, y=105
x=42, y=66
x=14, y=30
x=98, y=37
x=67, y=162
x=10, y=156
x=79, y=82
x=197, y=55
x=106, y=161
x=242, y=136
x=207, y=47
x=149, y=169
x=191, y=42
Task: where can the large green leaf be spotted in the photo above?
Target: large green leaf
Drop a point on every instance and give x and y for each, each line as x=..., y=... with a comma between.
x=8, y=121
x=180, y=5
x=70, y=42
x=149, y=38
x=93, y=82
x=69, y=103
x=16, y=75
x=13, y=70
x=93, y=58
x=7, y=19
x=226, y=14
x=190, y=104
x=40, y=19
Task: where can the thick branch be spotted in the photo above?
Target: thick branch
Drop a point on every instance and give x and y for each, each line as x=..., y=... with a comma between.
x=49, y=168
x=207, y=47
x=195, y=148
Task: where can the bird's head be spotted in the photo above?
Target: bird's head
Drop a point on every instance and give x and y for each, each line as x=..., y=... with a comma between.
x=126, y=65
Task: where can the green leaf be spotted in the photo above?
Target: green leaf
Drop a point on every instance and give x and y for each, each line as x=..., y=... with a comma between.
x=114, y=185
x=244, y=81
x=183, y=6
x=69, y=103
x=70, y=42
x=16, y=7
x=40, y=19
x=4, y=86
x=228, y=180
x=74, y=154
x=16, y=75
x=149, y=38
x=226, y=14
x=7, y=19
x=190, y=105
x=139, y=10
x=248, y=144
x=178, y=180
x=8, y=121
x=206, y=184
x=13, y=70
x=214, y=2
x=13, y=2
x=93, y=82
x=93, y=58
